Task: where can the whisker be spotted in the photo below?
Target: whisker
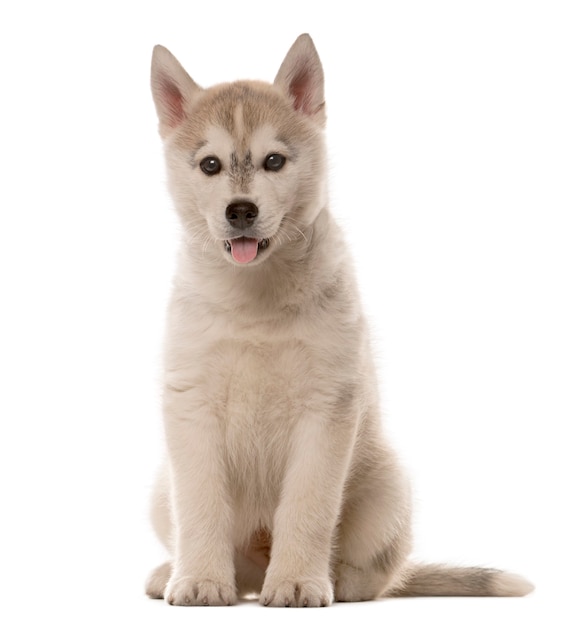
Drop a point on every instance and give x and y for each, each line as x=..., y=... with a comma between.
x=290, y=221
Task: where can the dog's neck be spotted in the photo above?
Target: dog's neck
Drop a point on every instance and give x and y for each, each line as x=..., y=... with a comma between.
x=267, y=287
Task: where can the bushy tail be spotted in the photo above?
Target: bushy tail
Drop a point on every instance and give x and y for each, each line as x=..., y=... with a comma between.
x=443, y=580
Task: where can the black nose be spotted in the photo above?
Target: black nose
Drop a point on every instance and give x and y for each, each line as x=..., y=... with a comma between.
x=241, y=214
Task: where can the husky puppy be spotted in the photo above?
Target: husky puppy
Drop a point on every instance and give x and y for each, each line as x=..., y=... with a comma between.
x=278, y=481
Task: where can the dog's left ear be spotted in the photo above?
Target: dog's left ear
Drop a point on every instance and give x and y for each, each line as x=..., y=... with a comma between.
x=301, y=77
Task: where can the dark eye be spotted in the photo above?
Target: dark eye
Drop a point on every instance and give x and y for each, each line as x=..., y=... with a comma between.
x=210, y=165
x=274, y=162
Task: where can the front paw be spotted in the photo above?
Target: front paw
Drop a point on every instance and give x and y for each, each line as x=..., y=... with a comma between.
x=297, y=593
x=190, y=591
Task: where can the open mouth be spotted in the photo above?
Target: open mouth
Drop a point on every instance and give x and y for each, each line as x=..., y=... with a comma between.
x=245, y=249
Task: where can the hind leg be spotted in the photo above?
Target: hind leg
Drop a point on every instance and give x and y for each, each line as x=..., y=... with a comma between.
x=373, y=535
x=157, y=581
x=162, y=524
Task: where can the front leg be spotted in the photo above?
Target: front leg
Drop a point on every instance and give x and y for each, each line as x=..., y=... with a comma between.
x=305, y=521
x=203, y=569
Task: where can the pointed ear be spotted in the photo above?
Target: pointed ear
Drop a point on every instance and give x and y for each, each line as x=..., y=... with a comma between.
x=301, y=78
x=173, y=89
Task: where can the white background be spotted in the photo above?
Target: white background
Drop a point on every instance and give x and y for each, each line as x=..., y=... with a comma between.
x=450, y=137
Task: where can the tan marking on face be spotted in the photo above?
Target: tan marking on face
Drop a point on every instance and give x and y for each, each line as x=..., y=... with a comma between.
x=238, y=118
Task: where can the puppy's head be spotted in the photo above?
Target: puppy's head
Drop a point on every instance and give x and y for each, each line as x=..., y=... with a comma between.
x=245, y=160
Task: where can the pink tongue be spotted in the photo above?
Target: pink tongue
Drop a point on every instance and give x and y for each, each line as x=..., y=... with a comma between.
x=244, y=249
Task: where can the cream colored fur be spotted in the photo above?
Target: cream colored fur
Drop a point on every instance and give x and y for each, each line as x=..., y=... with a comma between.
x=278, y=479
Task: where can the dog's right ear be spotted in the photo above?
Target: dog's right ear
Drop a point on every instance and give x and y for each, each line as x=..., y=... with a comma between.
x=173, y=90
